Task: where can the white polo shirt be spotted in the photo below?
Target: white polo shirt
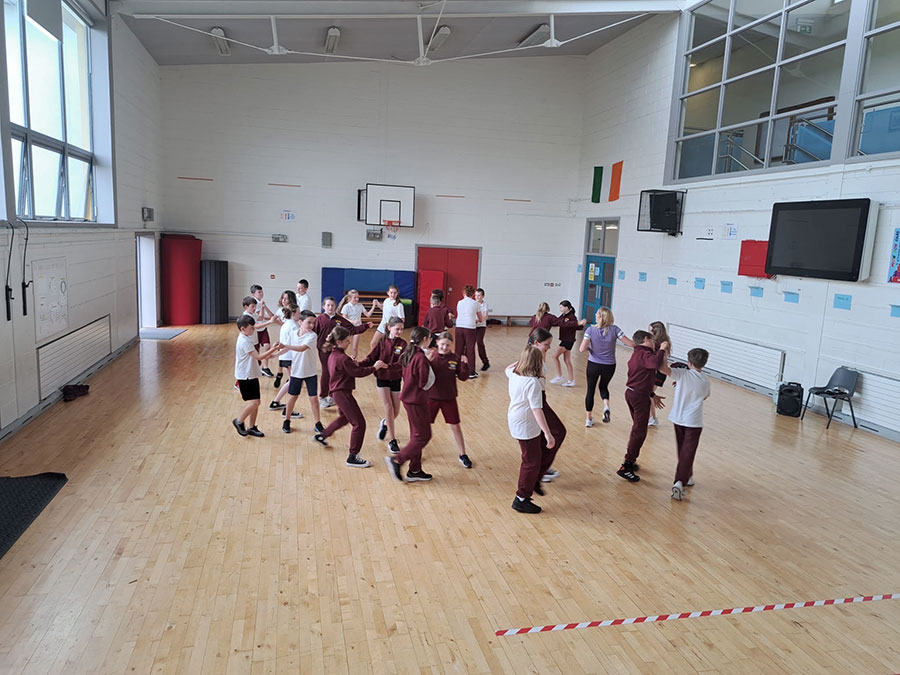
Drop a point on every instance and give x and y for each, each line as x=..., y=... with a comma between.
x=524, y=396
x=245, y=366
x=466, y=313
x=687, y=404
x=304, y=363
x=284, y=337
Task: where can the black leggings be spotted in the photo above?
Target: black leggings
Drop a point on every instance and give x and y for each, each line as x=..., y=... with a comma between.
x=598, y=371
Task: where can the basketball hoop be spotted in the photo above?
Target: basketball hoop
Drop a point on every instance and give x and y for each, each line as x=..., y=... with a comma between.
x=392, y=226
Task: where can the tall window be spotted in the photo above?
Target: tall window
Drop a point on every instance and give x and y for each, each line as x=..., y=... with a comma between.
x=50, y=111
x=878, y=102
x=761, y=84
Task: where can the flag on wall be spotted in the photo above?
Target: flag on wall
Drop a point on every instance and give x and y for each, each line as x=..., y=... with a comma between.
x=615, y=181
x=598, y=184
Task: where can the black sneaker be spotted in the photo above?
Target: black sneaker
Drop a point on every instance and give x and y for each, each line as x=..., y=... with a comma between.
x=525, y=506
x=286, y=426
x=321, y=440
x=357, y=461
x=276, y=405
x=382, y=430
x=394, y=468
x=277, y=382
x=539, y=489
x=254, y=431
x=394, y=447
x=606, y=416
x=626, y=471
x=485, y=366
x=318, y=427
x=473, y=376
x=267, y=372
x=295, y=415
x=239, y=426
x=415, y=476
x=465, y=461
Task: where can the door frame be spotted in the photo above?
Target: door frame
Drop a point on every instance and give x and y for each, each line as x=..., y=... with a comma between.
x=589, y=223
x=146, y=239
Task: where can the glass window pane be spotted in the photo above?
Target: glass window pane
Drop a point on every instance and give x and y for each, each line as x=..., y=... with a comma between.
x=803, y=138
x=810, y=81
x=13, y=28
x=705, y=66
x=610, y=246
x=699, y=112
x=748, y=11
x=695, y=156
x=44, y=91
x=742, y=149
x=75, y=64
x=819, y=23
x=880, y=130
x=77, y=188
x=749, y=98
x=885, y=12
x=17, y=169
x=596, y=245
x=882, y=57
x=46, y=170
x=709, y=22
x=754, y=48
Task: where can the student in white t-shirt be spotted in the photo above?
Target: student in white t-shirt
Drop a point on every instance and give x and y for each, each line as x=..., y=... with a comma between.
x=302, y=347
x=353, y=310
x=246, y=372
x=481, y=329
x=468, y=314
x=686, y=414
x=303, y=300
x=390, y=307
x=526, y=421
x=289, y=326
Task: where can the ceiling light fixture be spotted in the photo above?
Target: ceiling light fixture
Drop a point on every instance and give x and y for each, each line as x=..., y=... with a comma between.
x=218, y=38
x=439, y=38
x=538, y=37
x=332, y=37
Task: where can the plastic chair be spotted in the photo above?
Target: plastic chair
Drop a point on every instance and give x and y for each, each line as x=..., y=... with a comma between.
x=841, y=386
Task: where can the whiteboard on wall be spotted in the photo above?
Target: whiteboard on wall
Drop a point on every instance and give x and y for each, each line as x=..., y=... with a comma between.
x=51, y=304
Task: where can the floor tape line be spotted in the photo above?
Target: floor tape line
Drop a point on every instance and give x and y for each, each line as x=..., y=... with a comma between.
x=696, y=614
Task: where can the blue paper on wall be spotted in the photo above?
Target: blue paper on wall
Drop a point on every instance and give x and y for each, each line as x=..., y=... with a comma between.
x=673, y=281
x=756, y=291
x=727, y=286
x=699, y=283
x=642, y=276
x=842, y=301
x=792, y=297
x=895, y=310
x=579, y=269
x=621, y=274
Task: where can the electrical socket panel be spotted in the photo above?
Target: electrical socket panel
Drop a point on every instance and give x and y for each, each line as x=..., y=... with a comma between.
x=710, y=232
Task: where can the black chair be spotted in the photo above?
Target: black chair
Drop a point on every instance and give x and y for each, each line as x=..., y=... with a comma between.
x=841, y=386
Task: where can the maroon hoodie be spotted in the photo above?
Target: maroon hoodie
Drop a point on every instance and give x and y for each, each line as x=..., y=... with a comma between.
x=415, y=377
x=547, y=321
x=447, y=370
x=325, y=324
x=568, y=326
x=437, y=318
x=642, y=367
x=388, y=350
x=344, y=371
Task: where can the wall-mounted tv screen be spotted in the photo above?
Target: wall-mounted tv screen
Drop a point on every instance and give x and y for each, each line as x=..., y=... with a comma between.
x=830, y=239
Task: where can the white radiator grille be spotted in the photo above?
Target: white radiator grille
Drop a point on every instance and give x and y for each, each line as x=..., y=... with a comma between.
x=876, y=401
x=67, y=357
x=747, y=361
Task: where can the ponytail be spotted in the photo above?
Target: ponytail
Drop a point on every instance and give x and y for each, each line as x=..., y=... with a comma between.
x=542, y=309
x=416, y=338
x=337, y=334
x=567, y=305
x=288, y=310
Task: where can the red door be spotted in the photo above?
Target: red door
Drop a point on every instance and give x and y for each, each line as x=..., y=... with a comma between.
x=459, y=265
x=427, y=281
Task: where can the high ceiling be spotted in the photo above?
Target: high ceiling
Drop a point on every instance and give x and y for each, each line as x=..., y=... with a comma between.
x=175, y=32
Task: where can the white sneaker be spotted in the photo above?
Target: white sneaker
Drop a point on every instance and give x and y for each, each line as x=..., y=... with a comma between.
x=325, y=403
x=330, y=401
x=678, y=491
x=570, y=383
x=589, y=422
x=690, y=482
x=550, y=476
x=653, y=422
x=557, y=379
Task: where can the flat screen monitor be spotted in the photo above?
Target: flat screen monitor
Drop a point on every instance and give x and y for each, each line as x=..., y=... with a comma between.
x=829, y=239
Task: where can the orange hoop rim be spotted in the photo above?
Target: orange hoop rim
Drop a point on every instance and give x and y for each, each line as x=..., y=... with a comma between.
x=391, y=225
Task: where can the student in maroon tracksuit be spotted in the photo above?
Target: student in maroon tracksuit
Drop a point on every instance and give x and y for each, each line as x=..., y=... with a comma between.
x=417, y=379
x=647, y=358
x=325, y=323
x=543, y=318
x=344, y=371
x=388, y=380
x=437, y=319
x=543, y=340
x=448, y=368
x=568, y=325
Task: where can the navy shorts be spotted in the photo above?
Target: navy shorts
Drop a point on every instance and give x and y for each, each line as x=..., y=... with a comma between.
x=295, y=386
x=567, y=344
x=284, y=364
x=393, y=385
x=249, y=389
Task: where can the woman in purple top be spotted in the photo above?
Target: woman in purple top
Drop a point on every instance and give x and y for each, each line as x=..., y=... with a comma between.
x=600, y=343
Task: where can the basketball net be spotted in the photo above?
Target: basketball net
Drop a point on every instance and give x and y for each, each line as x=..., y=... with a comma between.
x=392, y=226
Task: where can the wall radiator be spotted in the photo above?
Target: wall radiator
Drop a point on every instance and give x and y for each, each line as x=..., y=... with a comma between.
x=731, y=357
x=66, y=357
x=875, y=401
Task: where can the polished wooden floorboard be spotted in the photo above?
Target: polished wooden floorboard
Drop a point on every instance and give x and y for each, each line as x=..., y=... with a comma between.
x=179, y=547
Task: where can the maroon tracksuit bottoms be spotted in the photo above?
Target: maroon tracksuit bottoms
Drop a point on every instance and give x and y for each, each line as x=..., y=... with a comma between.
x=325, y=377
x=465, y=344
x=639, y=407
x=536, y=459
x=686, y=439
x=419, y=435
x=482, y=351
x=348, y=413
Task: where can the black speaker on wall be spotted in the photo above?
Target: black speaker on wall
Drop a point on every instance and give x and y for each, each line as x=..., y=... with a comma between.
x=213, y=291
x=790, y=399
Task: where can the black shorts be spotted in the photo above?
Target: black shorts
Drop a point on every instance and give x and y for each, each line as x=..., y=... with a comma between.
x=249, y=389
x=284, y=364
x=394, y=385
x=567, y=344
x=660, y=379
x=295, y=386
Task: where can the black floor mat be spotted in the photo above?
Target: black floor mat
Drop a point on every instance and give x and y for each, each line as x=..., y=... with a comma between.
x=21, y=501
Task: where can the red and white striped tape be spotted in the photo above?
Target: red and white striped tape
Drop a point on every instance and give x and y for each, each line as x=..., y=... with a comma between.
x=695, y=615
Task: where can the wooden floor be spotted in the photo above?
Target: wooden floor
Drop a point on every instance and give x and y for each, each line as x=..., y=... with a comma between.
x=179, y=547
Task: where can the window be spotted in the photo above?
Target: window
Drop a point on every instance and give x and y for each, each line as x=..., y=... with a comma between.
x=604, y=237
x=50, y=110
x=763, y=84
